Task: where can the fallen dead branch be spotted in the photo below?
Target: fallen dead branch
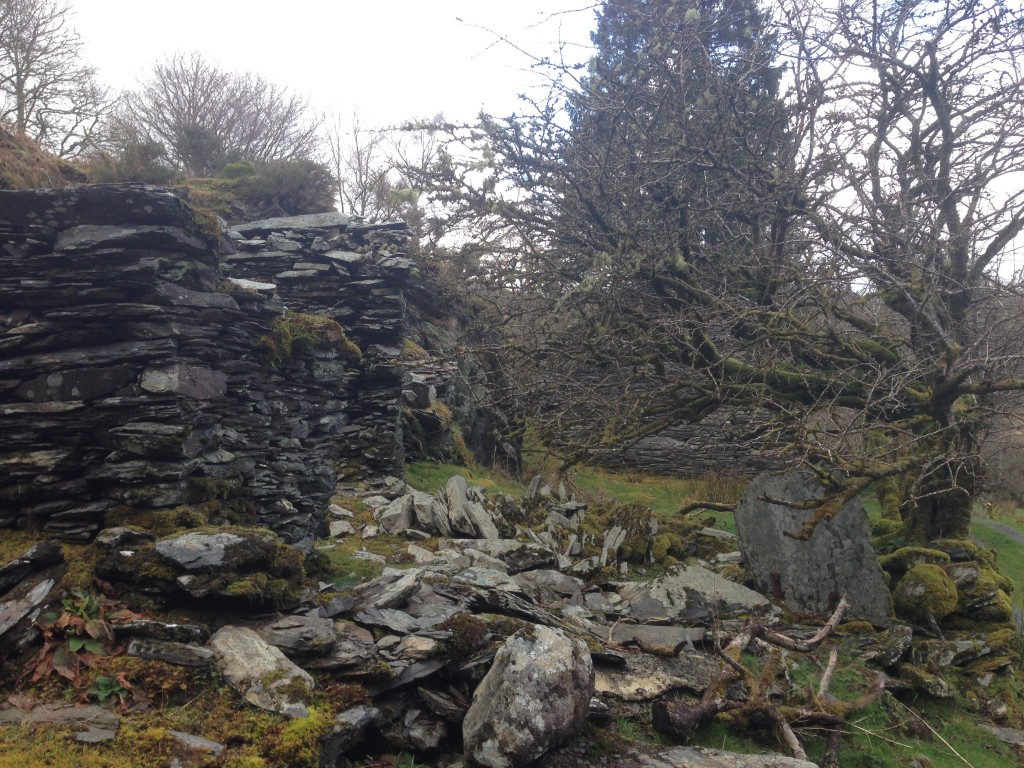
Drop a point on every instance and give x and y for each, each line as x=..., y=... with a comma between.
x=756, y=709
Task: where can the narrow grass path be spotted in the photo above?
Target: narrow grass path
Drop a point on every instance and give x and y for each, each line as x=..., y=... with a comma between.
x=1007, y=541
x=1006, y=530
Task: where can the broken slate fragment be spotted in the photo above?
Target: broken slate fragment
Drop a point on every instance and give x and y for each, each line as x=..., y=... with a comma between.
x=300, y=635
x=260, y=672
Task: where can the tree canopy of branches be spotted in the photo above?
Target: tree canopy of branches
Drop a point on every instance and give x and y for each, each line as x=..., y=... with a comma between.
x=46, y=92
x=798, y=215
x=205, y=117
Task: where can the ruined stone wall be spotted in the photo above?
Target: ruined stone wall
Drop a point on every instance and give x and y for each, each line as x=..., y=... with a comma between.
x=133, y=366
x=713, y=446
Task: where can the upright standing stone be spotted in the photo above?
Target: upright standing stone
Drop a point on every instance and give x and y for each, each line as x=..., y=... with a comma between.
x=811, y=575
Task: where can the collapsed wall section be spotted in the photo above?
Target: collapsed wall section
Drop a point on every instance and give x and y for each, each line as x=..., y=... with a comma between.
x=137, y=372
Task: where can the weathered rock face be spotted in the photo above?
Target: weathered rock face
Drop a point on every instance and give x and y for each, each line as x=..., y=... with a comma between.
x=133, y=360
x=810, y=575
x=534, y=697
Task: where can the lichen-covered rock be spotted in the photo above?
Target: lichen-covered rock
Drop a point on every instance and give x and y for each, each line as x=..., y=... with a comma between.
x=691, y=591
x=300, y=635
x=925, y=592
x=921, y=680
x=646, y=677
x=535, y=697
x=260, y=672
x=890, y=646
x=397, y=516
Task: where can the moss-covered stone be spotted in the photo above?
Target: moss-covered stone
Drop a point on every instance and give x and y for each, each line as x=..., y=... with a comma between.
x=903, y=559
x=294, y=336
x=962, y=550
x=924, y=681
x=925, y=592
x=884, y=526
x=254, y=567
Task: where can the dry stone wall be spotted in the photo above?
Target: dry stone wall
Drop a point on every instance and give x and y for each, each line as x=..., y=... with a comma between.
x=133, y=366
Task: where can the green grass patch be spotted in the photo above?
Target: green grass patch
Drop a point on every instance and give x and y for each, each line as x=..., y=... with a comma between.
x=431, y=477
x=891, y=733
x=1009, y=553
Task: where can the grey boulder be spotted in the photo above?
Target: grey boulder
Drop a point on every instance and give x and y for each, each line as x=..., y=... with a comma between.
x=534, y=698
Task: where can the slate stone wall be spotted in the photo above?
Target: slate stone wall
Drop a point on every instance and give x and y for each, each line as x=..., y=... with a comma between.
x=132, y=376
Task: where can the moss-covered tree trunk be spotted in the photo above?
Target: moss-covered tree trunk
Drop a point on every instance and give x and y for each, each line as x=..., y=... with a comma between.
x=941, y=508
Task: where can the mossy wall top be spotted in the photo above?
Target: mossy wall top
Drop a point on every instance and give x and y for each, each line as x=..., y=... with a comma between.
x=131, y=370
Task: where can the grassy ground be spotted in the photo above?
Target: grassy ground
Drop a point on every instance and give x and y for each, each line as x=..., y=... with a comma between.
x=1009, y=550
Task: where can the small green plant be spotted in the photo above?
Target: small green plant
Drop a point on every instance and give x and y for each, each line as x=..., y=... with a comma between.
x=105, y=687
x=82, y=604
x=78, y=636
x=404, y=760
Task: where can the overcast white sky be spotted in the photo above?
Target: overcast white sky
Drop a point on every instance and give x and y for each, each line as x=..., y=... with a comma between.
x=388, y=60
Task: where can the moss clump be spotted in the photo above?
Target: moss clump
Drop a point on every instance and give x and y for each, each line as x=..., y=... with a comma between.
x=295, y=689
x=297, y=743
x=503, y=626
x=261, y=589
x=636, y=520
x=961, y=550
x=443, y=413
x=905, y=558
x=295, y=335
x=413, y=351
x=925, y=592
x=462, y=450
x=80, y=562
x=668, y=548
x=885, y=526
x=468, y=634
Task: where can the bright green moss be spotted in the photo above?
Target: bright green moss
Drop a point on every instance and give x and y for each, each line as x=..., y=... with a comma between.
x=925, y=591
x=905, y=558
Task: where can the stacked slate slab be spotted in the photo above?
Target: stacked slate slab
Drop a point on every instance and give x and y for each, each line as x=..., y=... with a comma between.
x=131, y=374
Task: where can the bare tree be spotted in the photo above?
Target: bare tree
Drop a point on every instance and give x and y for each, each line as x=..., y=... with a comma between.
x=368, y=184
x=695, y=231
x=46, y=92
x=205, y=117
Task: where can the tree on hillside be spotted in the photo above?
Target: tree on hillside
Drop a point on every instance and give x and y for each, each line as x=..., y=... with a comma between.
x=205, y=117
x=707, y=233
x=46, y=92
